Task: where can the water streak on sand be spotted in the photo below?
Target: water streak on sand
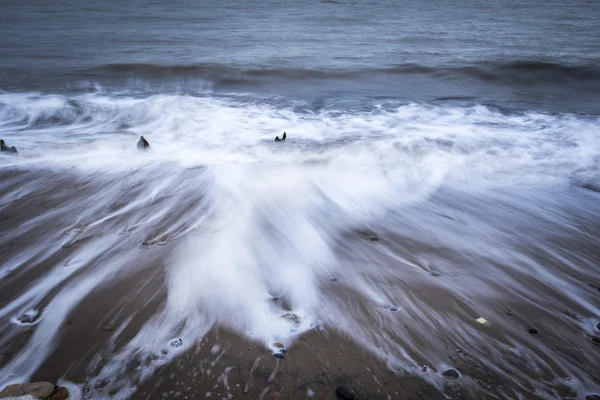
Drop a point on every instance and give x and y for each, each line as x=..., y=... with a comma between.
x=473, y=192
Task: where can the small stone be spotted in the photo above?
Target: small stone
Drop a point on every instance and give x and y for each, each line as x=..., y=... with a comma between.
x=451, y=373
x=459, y=351
x=26, y=318
x=176, y=342
x=108, y=328
x=393, y=309
x=39, y=389
x=164, y=352
x=596, y=339
x=61, y=393
x=598, y=326
x=12, y=391
x=278, y=356
x=143, y=143
x=373, y=238
x=435, y=273
x=533, y=331
x=345, y=393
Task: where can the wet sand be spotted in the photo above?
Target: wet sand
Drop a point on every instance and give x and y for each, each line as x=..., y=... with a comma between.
x=435, y=295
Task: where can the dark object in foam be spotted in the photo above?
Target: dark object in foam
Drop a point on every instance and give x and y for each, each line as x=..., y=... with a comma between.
x=5, y=148
x=143, y=143
x=282, y=138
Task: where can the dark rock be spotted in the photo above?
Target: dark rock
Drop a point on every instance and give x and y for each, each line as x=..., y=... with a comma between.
x=278, y=356
x=26, y=318
x=592, y=397
x=459, y=351
x=5, y=148
x=108, y=328
x=373, y=237
x=143, y=143
x=598, y=326
x=596, y=339
x=451, y=373
x=164, y=352
x=393, y=309
x=282, y=138
x=345, y=393
x=176, y=342
x=533, y=331
x=61, y=393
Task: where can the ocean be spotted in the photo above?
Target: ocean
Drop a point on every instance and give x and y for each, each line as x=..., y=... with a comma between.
x=442, y=164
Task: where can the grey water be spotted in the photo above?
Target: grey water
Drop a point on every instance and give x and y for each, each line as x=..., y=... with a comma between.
x=540, y=54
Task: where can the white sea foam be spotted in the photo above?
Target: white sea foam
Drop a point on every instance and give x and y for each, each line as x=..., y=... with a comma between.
x=260, y=219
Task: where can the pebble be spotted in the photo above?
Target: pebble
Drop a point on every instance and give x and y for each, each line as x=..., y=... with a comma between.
x=107, y=328
x=164, y=352
x=60, y=393
x=345, y=393
x=176, y=342
x=598, y=326
x=451, y=373
x=533, y=331
x=37, y=389
x=373, y=238
x=26, y=319
x=592, y=397
x=278, y=356
x=435, y=273
x=596, y=339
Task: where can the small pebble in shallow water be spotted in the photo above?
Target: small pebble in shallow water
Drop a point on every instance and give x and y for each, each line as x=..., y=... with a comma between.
x=533, y=331
x=451, y=373
x=107, y=328
x=176, y=342
x=26, y=319
x=61, y=393
x=278, y=356
x=345, y=393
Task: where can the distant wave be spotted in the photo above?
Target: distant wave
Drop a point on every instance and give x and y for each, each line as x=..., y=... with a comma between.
x=517, y=71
